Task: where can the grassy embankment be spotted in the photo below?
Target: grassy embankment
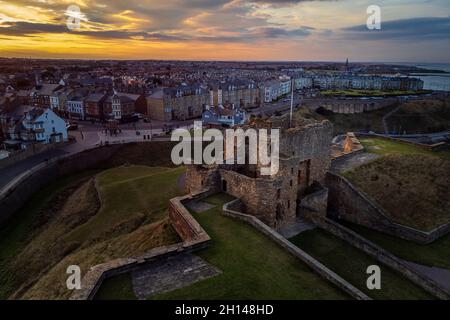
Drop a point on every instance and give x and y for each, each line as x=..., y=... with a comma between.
x=426, y=116
x=351, y=264
x=74, y=229
x=411, y=183
x=343, y=123
x=253, y=266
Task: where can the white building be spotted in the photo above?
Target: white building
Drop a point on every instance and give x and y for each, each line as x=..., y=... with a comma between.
x=43, y=125
x=285, y=85
x=75, y=106
x=303, y=82
x=271, y=91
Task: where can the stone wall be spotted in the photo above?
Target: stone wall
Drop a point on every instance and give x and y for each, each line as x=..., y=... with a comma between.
x=315, y=265
x=347, y=203
x=184, y=224
x=351, y=105
x=256, y=194
x=382, y=256
x=201, y=177
x=315, y=203
x=193, y=236
x=32, y=150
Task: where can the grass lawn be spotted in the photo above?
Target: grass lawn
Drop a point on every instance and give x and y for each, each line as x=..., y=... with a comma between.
x=131, y=193
x=116, y=288
x=372, y=93
x=253, y=266
x=131, y=220
x=386, y=147
x=436, y=254
x=351, y=264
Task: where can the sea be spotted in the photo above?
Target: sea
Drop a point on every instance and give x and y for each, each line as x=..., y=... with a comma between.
x=439, y=82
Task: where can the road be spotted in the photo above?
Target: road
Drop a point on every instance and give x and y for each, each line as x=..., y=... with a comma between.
x=9, y=173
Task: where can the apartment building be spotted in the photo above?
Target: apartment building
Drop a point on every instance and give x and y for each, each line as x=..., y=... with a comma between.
x=178, y=103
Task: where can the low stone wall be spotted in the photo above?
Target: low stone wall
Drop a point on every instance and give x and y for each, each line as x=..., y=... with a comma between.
x=193, y=236
x=319, y=268
x=183, y=222
x=349, y=105
x=349, y=204
x=382, y=256
x=31, y=151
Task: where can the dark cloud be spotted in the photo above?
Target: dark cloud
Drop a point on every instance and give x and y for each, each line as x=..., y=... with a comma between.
x=245, y=35
x=414, y=29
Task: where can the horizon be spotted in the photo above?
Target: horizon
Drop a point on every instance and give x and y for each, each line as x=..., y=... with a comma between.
x=239, y=61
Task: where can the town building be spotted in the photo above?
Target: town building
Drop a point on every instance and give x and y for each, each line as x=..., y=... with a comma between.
x=178, y=103
x=225, y=117
x=93, y=105
x=237, y=94
x=75, y=107
x=29, y=125
x=118, y=106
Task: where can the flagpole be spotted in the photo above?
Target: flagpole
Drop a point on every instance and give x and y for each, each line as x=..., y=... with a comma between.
x=292, y=103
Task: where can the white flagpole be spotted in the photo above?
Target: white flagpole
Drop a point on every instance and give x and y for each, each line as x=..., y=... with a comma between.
x=292, y=103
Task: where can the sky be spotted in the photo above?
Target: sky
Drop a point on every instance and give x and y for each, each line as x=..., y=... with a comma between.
x=268, y=30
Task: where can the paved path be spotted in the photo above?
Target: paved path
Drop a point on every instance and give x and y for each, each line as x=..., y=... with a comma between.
x=341, y=165
x=169, y=274
x=296, y=228
x=440, y=275
x=199, y=206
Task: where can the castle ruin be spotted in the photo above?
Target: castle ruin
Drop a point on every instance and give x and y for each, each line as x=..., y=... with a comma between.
x=304, y=159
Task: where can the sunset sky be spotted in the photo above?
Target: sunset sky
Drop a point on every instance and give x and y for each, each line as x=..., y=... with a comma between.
x=412, y=30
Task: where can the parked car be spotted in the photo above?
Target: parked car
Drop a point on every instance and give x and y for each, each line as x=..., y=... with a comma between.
x=72, y=126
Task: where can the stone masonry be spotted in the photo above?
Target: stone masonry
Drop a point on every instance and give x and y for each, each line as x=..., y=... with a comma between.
x=304, y=158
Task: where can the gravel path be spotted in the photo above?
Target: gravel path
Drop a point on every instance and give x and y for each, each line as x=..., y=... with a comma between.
x=353, y=161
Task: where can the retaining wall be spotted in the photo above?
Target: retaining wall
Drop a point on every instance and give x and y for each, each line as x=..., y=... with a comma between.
x=32, y=150
x=347, y=203
x=15, y=194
